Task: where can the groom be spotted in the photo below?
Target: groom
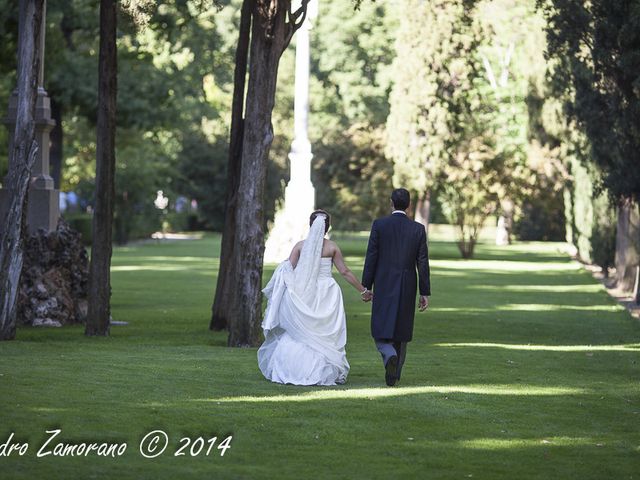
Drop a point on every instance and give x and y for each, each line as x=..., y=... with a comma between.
x=397, y=247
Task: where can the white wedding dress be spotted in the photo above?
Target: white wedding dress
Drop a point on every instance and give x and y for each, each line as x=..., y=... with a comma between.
x=305, y=325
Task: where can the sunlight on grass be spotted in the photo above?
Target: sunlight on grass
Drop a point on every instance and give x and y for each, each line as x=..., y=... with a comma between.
x=504, y=265
x=578, y=288
x=155, y=268
x=547, y=307
x=530, y=307
x=502, y=444
x=631, y=347
x=354, y=261
x=48, y=409
x=371, y=393
x=450, y=273
x=164, y=258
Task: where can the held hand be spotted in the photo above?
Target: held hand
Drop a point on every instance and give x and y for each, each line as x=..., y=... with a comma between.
x=367, y=296
x=423, y=304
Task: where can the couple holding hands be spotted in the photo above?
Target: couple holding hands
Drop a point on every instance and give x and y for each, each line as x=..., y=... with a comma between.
x=305, y=323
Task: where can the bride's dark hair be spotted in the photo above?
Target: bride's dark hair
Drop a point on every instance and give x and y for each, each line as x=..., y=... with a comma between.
x=327, y=219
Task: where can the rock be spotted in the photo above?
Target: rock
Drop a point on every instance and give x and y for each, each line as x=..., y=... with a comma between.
x=82, y=310
x=46, y=322
x=46, y=307
x=55, y=278
x=41, y=290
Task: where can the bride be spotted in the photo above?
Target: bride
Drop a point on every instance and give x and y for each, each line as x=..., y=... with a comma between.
x=304, y=325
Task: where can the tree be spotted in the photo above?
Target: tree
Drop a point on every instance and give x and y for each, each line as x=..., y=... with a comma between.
x=99, y=275
x=443, y=122
x=175, y=85
x=202, y=175
x=416, y=116
x=438, y=45
x=471, y=187
x=273, y=24
x=9, y=19
x=353, y=176
x=351, y=77
x=594, y=46
x=221, y=307
x=514, y=67
x=23, y=154
x=627, y=257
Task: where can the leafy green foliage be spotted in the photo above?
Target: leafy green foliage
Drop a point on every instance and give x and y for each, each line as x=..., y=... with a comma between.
x=202, y=176
x=596, y=74
x=351, y=56
x=542, y=218
x=453, y=129
x=430, y=120
x=591, y=219
x=8, y=49
x=174, y=86
x=353, y=176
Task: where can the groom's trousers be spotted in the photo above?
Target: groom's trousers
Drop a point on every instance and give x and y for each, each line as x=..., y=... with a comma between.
x=389, y=348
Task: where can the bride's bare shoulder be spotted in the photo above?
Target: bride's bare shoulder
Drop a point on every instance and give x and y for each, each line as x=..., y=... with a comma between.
x=330, y=246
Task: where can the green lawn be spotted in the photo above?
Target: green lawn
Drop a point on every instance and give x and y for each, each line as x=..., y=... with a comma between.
x=522, y=368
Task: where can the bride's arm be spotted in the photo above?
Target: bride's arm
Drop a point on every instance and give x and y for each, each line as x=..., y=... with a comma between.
x=338, y=261
x=295, y=254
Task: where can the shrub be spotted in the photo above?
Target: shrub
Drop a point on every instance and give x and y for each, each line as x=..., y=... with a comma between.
x=82, y=223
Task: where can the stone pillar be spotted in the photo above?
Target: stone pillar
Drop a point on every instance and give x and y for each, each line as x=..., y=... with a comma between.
x=291, y=223
x=43, y=209
x=505, y=223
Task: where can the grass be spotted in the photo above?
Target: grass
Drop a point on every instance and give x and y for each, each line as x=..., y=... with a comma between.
x=522, y=368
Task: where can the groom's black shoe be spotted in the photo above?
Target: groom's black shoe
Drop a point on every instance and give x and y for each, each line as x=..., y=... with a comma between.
x=391, y=371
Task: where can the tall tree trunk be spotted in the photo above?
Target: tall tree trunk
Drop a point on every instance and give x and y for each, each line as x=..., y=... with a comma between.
x=99, y=274
x=226, y=277
x=55, y=150
x=270, y=35
x=627, y=245
x=423, y=210
x=23, y=157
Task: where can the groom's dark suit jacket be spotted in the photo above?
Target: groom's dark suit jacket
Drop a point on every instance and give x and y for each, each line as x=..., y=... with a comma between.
x=397, y=247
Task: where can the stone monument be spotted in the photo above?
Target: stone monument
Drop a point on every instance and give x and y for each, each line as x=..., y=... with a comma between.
x=291, y=223
x=43, y=209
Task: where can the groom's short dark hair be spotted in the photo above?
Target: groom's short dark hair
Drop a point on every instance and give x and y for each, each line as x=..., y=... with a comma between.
x=400, y=198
